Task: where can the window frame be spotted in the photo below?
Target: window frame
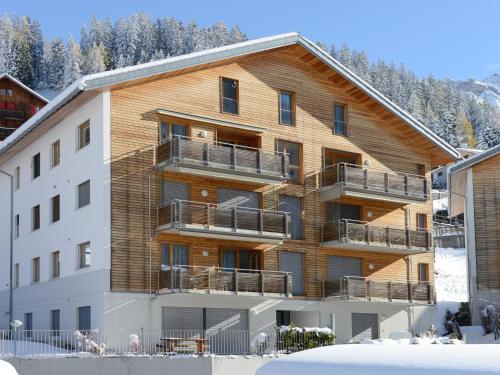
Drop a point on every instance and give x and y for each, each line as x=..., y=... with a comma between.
x=55, y=330
x=292, y=107
x=169, y=125
x=78, y=205
x=427, y=268
x=35, y=270
x=34, y=168
x=52, y=212
x=171, y=254
x=80, y=135
x=345, y=121
x=83, y=255
x=55, y=162
x=55, y=265
x=300, y=180
x=417, y=224
x=222, y=97
x=35, y=218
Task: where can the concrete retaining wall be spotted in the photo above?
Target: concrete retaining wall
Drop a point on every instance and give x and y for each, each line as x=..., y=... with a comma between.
x=137, y=365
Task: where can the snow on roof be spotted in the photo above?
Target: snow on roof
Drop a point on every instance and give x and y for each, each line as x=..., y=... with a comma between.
x=100, y=80
x=33, y=92
x=388, y=360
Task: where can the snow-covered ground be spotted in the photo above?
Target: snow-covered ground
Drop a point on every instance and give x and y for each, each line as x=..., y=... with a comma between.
x=398, y=360
x=440, y=204
x=26, y=348
x=7, y=368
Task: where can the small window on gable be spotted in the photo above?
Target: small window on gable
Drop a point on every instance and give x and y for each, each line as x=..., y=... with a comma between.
x=339, y=120
x=229, y=95
x=287, y=108
x=84, y=135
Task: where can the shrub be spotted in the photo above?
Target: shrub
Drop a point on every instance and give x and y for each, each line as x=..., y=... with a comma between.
x=489, y=320
x=448, y=322
x=294, y=339
x=462, y=316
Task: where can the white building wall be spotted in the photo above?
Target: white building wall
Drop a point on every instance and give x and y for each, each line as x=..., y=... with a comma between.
x=89, y=223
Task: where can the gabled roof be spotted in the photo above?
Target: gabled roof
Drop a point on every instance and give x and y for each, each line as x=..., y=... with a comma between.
x=100, y=80
x=19, y=83
x=476, y=159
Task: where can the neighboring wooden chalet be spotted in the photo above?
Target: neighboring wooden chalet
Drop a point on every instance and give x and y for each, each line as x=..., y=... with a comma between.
x=475, y=191
x=17, y=104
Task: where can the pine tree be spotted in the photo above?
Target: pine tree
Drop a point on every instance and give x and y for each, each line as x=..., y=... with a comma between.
x=36, y=51
x=20, y=54
x=71, y=62
x=93, y=62
x=56, y=72
x=236, y=35
x=191, y=38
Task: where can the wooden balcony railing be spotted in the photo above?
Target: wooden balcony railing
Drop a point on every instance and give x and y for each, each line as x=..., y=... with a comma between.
x=372, y=180
x=12, y=114
x=223, y=157
x=361, y=288
x=352, y=231
x=178, y=279
x=225, y=220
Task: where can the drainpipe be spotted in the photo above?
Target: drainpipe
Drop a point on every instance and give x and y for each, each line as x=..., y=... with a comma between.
x=150, y=302
x=11, y=246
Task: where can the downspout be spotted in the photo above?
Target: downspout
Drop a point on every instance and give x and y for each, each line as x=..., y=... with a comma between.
x=11, y=248
x=150, y=302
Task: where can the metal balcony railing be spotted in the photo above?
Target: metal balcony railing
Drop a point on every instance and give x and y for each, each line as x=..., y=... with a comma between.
x=367, y=179
x=12, y=114
x=353, y=231
x=214, y=218
x=215, y=279
x=223, y=157
x=361, y=288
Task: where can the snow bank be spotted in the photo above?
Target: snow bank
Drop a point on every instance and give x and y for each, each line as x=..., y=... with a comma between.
x=7, y=369
x=413, y=341
x=398, y=360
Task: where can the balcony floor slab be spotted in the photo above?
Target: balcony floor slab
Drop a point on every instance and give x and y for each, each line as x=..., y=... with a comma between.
x=373, y=247
x=335, y=192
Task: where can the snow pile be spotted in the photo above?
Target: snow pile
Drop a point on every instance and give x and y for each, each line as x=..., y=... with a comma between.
x=439, y=204
x=413, y=341
x=398, y=360
x=451, y=274
x=7, y=369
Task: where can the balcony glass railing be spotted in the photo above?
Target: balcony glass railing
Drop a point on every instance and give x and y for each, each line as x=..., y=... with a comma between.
x=223, y=156
x=352, y=231
x=216, y=279
x=361, y=288
x=214, y=218
x=376, y=181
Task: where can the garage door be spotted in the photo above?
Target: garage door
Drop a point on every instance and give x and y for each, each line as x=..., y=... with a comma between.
x=338, y=267
x=364, y=326
x=174, y=190
x=227, y=330
x=181, y=319
x=293, y=262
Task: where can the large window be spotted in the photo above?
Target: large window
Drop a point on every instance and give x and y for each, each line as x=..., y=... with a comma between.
x=84, y=194
x=293, y=205
x=55, y=208
x=293, y=262
x=287, y=108
x=55, y=154
x=229, y=95
x=35, y=217
x=35, y=166
x=339, y=120
x=35, y=270
x=84, y=255
x=294, y=159
x=242, y=259
x=55, y=270
x=168, y=130
x=84, y=135
x=173, y=254
x=84, y=318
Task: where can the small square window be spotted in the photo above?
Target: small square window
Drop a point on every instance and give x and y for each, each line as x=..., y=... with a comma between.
x=287, y=108
x=35, y=165
x=55, y=154
x=84, y=135
x=84, y=255
x=35, y=213
x=229, y=95
x=84, y=194
x=55, y=208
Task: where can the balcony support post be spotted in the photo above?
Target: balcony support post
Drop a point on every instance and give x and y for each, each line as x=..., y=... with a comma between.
x=262, y=282
x=259, y=161
x=389, y=285
x=410, y=292
x=235, y=281
x=368, y=290
x=171, y=279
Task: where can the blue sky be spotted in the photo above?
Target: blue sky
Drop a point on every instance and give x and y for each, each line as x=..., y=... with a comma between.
x=457, y=39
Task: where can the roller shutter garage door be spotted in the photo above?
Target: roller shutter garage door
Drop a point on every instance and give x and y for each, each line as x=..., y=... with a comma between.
x=364, y=326
x=176, y=319
x=339, y=266
x=227, y=330
x=293, y=262
x=174, y=190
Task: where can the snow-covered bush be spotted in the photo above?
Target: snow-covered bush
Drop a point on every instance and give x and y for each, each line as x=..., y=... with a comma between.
x=260, y=343
x=489, y=320
x=294, y=339
x=134, y=342
x=87, y=342
x=448, y=322
x=431, y=332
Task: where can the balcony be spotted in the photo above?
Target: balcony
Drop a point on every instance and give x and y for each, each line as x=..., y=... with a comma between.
x=222, y=160
x=353, y=288
x=351, y=180
x=9, y=114
x=204, y=280
x=223, y=222
x=357, y=235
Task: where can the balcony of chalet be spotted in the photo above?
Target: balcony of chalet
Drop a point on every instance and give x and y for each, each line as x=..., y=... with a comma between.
x=227, y=160
x=354, y=288
x=226, y=281
x=352, y=180
x=223, y=222
x=357, y=235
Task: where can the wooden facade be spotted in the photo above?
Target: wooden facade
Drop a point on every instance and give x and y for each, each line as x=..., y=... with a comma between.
x=374, y=133
x=17, y=105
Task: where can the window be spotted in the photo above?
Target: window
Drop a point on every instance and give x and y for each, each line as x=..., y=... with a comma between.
x=55, y=154
x=423, y=272
x=16, y=226
x=242, y=259
x=173, y=254
x=55, y=321
x=440, y=174
x=84, y=255
x=339, y=120
x=293, y=262
x=28, y=323
x=35, y=270
x=288, y=203
x=35, y=217
x=168, y=130
x=282, y=318
x=421, y=221
x=35, y=165
x=16, y=275
x=229, y=93
x=84, y=318
x=17, y=177
x=421, y=170
x=287, y=108
x=55, y=209
x=55, y=271
x=84, y=135
x=293, y=150
x=84, y=194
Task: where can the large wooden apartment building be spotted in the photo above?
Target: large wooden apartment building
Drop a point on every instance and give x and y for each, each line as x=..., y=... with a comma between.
x=474, y=186
x=238, y=188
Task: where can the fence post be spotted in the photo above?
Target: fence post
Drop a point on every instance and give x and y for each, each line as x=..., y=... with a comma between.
x=390, y=291
x=410, y=292
x=236, y=281
x=262, y=281
x=368, y=290
x=180, y=279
